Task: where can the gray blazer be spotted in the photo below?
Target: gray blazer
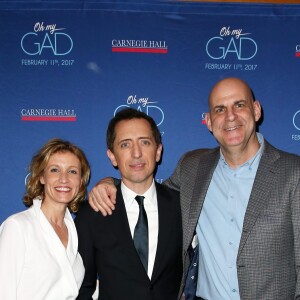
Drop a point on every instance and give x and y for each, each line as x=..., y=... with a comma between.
x=268, y=261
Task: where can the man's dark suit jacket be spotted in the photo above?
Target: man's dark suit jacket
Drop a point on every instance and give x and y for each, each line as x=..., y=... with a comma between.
x=107, y=249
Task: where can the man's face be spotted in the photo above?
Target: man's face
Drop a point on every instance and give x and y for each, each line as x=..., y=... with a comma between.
x=135, y=153
x=233, y=115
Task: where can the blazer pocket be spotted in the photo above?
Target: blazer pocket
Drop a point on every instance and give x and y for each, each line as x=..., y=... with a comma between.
x=274, y=222
x=273, y=211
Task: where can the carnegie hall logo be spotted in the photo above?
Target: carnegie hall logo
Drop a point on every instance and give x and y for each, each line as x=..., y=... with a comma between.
x=140, y=46
x=48, y=114
x=297, y=54
x=203, y=121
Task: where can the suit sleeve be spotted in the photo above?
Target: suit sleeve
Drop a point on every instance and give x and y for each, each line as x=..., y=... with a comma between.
x=295, y=208
x=12, y=258
x=173, y=182
x=87, y=252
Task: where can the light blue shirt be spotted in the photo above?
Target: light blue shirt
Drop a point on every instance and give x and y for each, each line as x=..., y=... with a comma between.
x=220, y=227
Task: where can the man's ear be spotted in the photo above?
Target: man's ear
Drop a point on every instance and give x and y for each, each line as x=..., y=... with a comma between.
x=158, y=152
x=257, y=110
x=208, y=121
x=112, y=158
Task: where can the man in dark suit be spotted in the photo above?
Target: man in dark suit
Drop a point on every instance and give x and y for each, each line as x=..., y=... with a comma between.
x=243, y=201
x=109, y=247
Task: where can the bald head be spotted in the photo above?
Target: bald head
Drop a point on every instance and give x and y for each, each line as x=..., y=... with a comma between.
x=232, y=118
x=225, y=87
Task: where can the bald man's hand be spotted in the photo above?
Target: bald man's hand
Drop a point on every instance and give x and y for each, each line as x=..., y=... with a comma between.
x=102, y=197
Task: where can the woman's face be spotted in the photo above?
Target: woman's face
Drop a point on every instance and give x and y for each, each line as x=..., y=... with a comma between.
x=61, y=178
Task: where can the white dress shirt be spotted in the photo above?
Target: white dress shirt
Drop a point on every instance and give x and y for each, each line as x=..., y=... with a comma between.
x=34, y=264
x=132, y=210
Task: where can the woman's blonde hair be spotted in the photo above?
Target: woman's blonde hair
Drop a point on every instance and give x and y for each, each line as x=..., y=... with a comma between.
x=34, y=188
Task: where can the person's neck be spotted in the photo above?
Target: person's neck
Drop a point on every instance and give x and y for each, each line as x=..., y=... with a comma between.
x=237, y=156
x=139, y=188
x=54, y=214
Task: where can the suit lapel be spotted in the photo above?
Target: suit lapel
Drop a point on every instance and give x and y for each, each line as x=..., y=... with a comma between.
x=205, y=170
x=164, y=227
x=120, y=224
x=121, y=229
x=264, y=180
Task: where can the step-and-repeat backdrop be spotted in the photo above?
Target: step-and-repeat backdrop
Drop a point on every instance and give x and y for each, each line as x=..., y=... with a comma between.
x=67, y=68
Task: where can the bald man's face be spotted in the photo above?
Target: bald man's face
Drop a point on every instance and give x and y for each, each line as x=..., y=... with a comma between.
x=233, y=114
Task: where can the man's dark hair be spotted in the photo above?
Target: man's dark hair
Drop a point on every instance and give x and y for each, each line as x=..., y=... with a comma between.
x=129, y=114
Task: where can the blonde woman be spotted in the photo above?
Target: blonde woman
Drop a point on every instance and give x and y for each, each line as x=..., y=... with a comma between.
x=38, y=247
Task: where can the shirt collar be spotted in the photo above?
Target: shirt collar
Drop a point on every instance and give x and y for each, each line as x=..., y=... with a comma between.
x=129, y=195
x=46, y=226
x=253, y=159
x=37, y=205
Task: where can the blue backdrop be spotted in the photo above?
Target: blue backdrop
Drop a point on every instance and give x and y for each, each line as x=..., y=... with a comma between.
x=66, y=68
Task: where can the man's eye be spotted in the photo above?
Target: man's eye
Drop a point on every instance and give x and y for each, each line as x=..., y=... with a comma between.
x=146, y=142
x=219, y=110
x=238, y=105
x=124, y=145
